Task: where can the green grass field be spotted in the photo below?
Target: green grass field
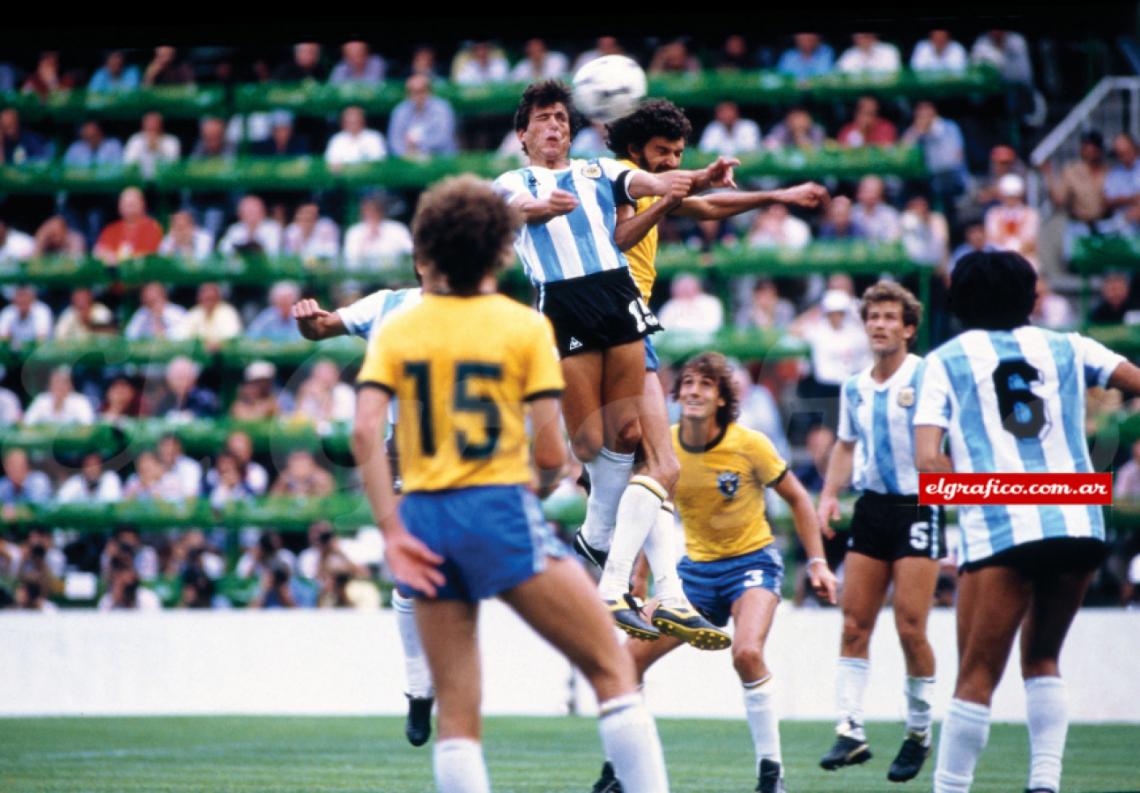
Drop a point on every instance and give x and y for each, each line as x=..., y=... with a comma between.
x=525, y=755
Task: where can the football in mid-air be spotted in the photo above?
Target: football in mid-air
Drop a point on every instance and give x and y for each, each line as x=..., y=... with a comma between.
x=609, y=87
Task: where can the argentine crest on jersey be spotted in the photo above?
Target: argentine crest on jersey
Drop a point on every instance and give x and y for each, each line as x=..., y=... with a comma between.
x=879, y=419
x=581, y=242
x=1014, y=402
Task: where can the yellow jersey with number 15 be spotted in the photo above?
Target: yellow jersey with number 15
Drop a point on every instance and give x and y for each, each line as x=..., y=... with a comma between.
x=462, y=369
x=642, y=257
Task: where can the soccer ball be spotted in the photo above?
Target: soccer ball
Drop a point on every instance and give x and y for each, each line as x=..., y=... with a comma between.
x=609, y=87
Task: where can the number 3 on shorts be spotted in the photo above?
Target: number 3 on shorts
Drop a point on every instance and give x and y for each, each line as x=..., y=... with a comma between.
x=920, y=535
x=642, y=315
x=754, y=578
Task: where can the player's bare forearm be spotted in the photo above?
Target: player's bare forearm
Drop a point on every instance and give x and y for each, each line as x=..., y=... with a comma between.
x=928, y=455
x=371, y=457
x=632, y=226
x=803, y=514
x=839, y=467
x=723, y=205
x=642, y=183
x=1126, y=377
x=549, y=443
x=315, y=323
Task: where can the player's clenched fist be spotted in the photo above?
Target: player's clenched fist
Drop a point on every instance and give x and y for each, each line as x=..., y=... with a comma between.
x=808, y=195
x=309, y=314
x=561, y=202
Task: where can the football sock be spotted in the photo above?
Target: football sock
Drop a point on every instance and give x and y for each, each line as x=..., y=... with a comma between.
x=762, y=719
x=609, y=475
x=1046, y=703
x=416, y=670
x=918, y=692
x=661, y=552
x=850, y=684
x=629, y=738
x=963, y=737
x=459, y=766
x=636, y=517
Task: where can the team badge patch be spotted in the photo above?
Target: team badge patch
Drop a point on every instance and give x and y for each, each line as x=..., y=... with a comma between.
x=728, y=483
x=592, y=171
x=906, y=397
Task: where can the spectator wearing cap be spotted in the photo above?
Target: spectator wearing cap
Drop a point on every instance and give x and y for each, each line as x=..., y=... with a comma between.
x=480, y=63
x=1079, y=192
x=134, y=234
x=256, y=399
x=212, y=320
x=306, y=65
x=867, y=127
x=93, y=484
x=185, y=239
x=114, y=76
x=26, y=320
x=15, y=245
x=689, y=308
x=21, y=485
x=876, y=220
x=156, y=318
x=358, y=65
x=354, y=143
x=283, y=140
x=809, y=57
x=311, y=236
x=93, y=149
x=151, y=146
x=18, y=145
x=84, y=316
x=60, y=404
x=253, y=232
x=182, y=399
x=728, y=134
x=422, y=125
x=539, y=63
x=275, y=322
x=1011, y=225
x=869, y=56
x=984, y=194
x=1122, y=186
x=55, y=238
x=838, y=348
x=939, y=53
x=376, y=241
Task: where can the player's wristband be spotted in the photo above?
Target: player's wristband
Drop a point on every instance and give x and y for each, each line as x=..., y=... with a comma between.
x=815, y=559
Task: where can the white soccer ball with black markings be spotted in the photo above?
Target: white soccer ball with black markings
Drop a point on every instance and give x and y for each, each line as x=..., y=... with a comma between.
x=609, y=87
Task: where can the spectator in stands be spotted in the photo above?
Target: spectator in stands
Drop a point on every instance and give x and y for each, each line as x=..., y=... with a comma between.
x=276, y=323
x=1122, y=186
x=256, y=399
x=186, y=240
x=876, y=220
x=200, y=592
x=26, y=320
x=151, y=482
x=191, y=551
x=18, y=145
x=122, y=400
x=539, y=63
x=1115, y=301
x=302, y=477
x=811, y=472
x=114, y=76
x=311, y=236
x=322, y=543
x=212, y=141
x=187, y=472
x=47, y=78
x=276, y=590
x=376, y=241
x=124, y=591
x=869, y=56
x=939, y=53
x=20, y=484
x=422, y=125
x=240, y=445
x=797, y=130
x=589, y=142
x=354, y=143
x=282, y=140
x=775, y=227
x=151, y=146
x=253, y=233
x=323, y=398
x=603, y=45
x=480, y=63
x=836, y=224
x=126, y=541
x=165, y=69
x=92, y=148
x=867, y=127
x=134, y=234
x=92, y=485
x=759, y=411
x=1011, y=225
x=345, y=585
x=11, y=411
x=975, y=240
x=767, y=310
x=729, y=134
x=423, y=62
x=1051, y=309
x=60, y=404
x=84, y=316
x=674, y=58
x=943, y=148
x=230, y=483
x=1126, y=484
x=1003, y=160
x=1007, y=52
x=31, y=595
x=156, y=318
x=15, y=245
x=1080, y=192
x=182, y=399
x=925, y=234
x=810, y=57
x=262, y=556
x=689, y=308
x=55, y=238
x=734, y=55
x=306, y=65
x=838, y=350
x=358, y=65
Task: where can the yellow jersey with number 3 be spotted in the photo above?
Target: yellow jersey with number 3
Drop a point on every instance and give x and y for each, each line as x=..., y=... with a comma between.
x=642, y=257
x=720, y=493
x=461, y=369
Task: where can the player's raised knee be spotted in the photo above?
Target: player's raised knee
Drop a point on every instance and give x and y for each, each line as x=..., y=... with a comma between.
x=748, y=659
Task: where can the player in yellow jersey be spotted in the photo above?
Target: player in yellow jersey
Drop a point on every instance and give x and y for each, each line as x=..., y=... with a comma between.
x=732, y=567
x=465, y=364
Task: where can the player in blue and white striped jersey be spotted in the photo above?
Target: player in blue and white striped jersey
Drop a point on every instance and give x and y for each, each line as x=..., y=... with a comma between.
x=1012, y=399
x=892, y=537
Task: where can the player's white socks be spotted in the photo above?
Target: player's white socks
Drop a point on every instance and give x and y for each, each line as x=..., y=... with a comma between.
x=762, y=719
x=964, y=735
x=636, y=517
x=415, y=662
x=459, y=766
x=661, y=553
x=850, y=685
x=609, y=475
x=629, y=739
x=918, y=692
x=1047, y=706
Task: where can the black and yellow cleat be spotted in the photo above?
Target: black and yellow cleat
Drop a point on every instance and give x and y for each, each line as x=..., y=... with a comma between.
x=629, y=617
x=417, y=727
x=845, y=751
x=684, y=623
x=913, y=753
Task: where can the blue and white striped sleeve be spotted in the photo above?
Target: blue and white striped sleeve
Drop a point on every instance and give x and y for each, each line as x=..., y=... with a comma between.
x=511, y=186
x=933, y=404
x=1099, y=361
x=359, y=317
x=846, y=429
x=619, y=175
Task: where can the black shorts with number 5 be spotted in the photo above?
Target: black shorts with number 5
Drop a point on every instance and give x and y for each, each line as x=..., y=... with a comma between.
x=596, y=311
x=893, y=527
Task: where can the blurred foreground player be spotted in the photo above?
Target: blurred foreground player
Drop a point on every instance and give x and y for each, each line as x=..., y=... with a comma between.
x=468, y=526
x=1011, y=398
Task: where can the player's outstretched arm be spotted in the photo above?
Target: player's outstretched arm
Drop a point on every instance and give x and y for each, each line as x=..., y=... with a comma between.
x=541, y=210
x=644, y=183
x=928, y=455
x=549, y=444
x=721, y=173
x=1126, y=377
x=718, y=206
x=822, y=579
x=837, y=478
x=632, y=226
x=315, y=323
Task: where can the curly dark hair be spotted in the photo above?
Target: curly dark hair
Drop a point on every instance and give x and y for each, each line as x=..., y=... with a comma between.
x=656, y=117
x=890, y=292
x=993, y=290
x=716, y=367
x=544, y=94
x=465, y=230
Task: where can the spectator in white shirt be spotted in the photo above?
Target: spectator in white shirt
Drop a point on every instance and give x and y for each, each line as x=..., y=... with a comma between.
x=186, y=471
x=156, y=318
x=838, y=347
x=480, y=64
x=151, y=482
x=151, y=146
x=83, y=317
x=869, y=56
x=60, y=404
x=376, y=241
x=240, y=445
x=775, y=227
x=1007, y=52
x=876, y=220
x=729, y=134
x=11, y=411
x=358, y=65
x=1051, y=309
x=939, y=53
x=15, y=246
x=254, y=232
x=539, y=63
x=690, y=309
x=26, y=319
x=186, y=240
x=92, y=485
x=311, y=236
x=354, y=143
x=212, y=320
x=323, y=398
x=925, y=234
x=1012, y=225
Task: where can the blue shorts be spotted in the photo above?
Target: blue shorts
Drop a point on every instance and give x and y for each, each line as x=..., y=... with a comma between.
x=652, y=363
x=712, y=587
x=491, y=538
